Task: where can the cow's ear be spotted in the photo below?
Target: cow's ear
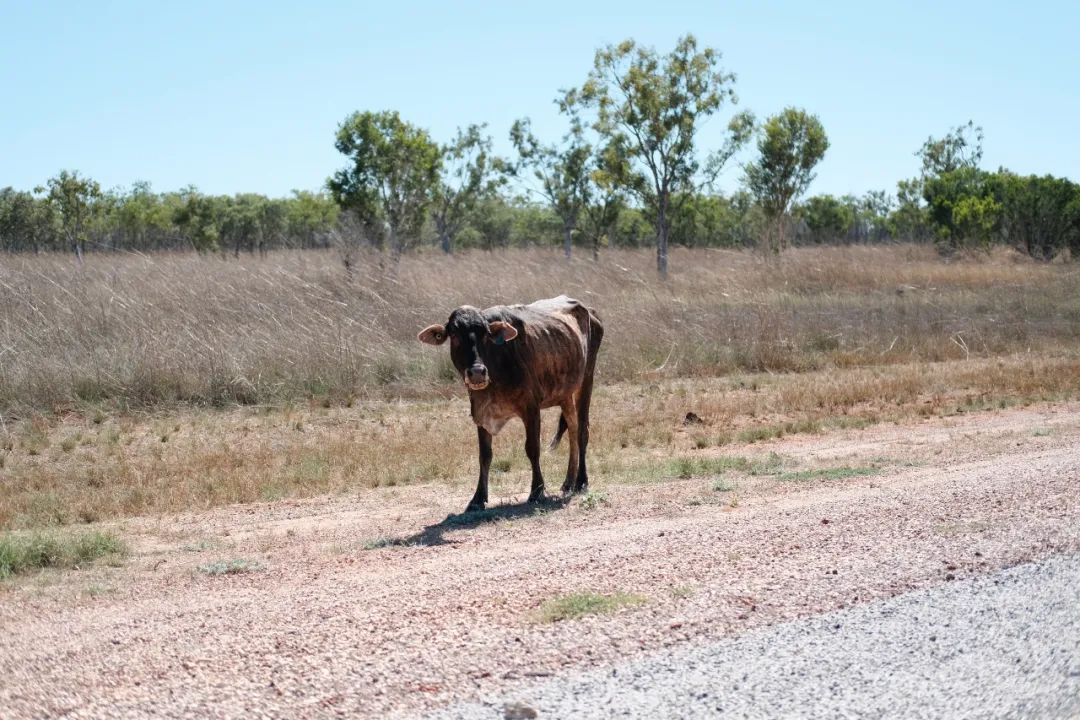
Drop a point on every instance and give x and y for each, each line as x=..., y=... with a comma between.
x=432, y=335
x=502, y=332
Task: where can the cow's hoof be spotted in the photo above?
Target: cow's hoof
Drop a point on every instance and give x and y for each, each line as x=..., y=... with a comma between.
x=536, y=499
x=474, y=507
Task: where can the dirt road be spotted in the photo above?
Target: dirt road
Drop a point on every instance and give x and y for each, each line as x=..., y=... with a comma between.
x=448, y=608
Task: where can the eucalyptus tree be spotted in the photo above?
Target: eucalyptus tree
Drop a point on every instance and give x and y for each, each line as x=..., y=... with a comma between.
x=561, y=171
x=75, y=199
x=469, y=173
x=391, y=177
x=653, y=107
x=27, y=222
x=791, y=144
x=607, y=197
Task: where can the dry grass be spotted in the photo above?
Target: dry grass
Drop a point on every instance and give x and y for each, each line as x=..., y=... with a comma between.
x=128, y=464
x=133, y=332
x=104, y=370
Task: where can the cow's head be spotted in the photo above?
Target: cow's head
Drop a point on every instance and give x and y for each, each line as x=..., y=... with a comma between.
x=472, y=342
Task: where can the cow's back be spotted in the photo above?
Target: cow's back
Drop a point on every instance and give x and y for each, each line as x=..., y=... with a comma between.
x=553, y=345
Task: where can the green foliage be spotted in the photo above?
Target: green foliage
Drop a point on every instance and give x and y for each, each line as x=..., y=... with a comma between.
x=791, y=144
x=469, y=174
x=649, y=109
x=1040, y=215
x=563, y=172
x=76, y=200
x=23, y=552
x=961, y=148
x=827, y=218
x=393, y=172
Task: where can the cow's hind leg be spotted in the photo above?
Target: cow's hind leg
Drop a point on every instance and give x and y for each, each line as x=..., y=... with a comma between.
x=570, y=417
x=532, y=449
x=584, y=400
x=480, y=498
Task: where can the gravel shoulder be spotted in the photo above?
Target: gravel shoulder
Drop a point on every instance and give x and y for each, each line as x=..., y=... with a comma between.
x=447, y=610
x=1004, y=645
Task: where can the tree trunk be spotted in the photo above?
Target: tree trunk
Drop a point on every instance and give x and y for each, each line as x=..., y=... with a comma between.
x=662, y=240
x=568, y=241
x=444, y=240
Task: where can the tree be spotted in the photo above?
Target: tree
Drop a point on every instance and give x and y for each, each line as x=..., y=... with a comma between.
x=910, y=220
x=562, y=171
x=960, y=148
x=75, y=199
x=197, y=217
x=311, y=217
x=828, y=218
x=652, y=107
x=26, y=222
x=791, y=144
x=608, y=198
x=469, y=173
x=394, y=168
x=1040, y=215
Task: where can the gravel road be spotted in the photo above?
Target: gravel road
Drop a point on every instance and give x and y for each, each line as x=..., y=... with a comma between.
x=1005, y=645
x=334, y=625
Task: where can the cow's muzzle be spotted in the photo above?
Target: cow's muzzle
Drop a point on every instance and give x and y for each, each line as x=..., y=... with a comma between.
x=476, y=377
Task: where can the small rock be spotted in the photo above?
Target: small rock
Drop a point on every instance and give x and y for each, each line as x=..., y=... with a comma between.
x=825, y=521
x=692, y=419
x=950, y=576
x=519, y=711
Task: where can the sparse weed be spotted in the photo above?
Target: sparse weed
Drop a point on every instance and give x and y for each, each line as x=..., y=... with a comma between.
x=577, y=605
x=231, y=567
x=381, y=542
x=681, y=592
x=592, y=500
x=836, y=473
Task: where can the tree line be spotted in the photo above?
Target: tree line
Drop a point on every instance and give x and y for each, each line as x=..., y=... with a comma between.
x=628, y=171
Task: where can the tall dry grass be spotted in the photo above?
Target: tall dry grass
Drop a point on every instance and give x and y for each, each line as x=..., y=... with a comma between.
x=148, y=331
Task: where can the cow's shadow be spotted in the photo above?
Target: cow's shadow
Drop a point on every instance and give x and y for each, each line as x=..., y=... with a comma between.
x=435, y=534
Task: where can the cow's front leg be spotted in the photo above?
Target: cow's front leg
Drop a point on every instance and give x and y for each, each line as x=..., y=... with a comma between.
x=480, y=498
x=532, y=449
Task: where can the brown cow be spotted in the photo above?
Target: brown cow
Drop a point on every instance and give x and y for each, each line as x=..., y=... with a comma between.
x=517, y=360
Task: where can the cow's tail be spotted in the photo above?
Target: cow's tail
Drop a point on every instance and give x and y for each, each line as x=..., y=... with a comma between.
x=558, y=433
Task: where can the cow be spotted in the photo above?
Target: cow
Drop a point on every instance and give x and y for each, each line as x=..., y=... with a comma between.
x=517, y=360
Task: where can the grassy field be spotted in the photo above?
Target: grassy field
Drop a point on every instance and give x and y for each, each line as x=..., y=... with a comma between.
x=156, y=385
x=133, y=332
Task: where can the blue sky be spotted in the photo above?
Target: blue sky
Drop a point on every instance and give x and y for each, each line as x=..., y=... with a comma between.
x=245, y=97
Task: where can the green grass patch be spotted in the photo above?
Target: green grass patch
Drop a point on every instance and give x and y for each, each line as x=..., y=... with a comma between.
x=24, y=552
x=593, y=499
x=768, y=432
x=837, y=473
x=230, y=567
x=577, y=605
x=381, y=542
x=689, y=467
